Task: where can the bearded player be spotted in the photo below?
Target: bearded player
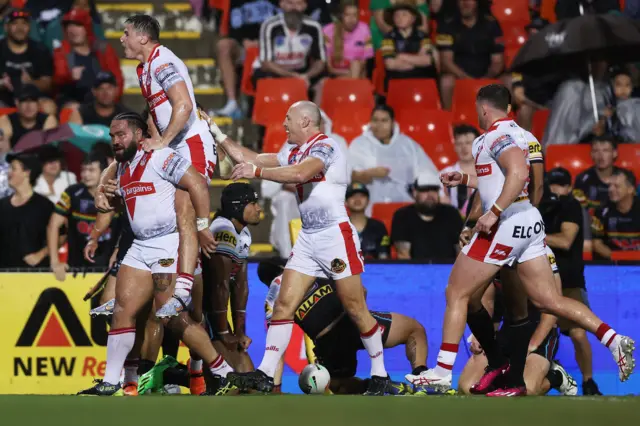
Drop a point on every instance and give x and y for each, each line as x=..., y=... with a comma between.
x=147, y=181
x=166, y=85
x=328, y=245
x=511, y=232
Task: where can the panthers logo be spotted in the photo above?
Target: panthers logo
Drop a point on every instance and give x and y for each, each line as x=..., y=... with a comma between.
x=165, y=263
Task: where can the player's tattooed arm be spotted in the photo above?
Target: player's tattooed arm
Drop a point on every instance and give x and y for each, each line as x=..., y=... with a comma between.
x=404, y=249
x=162, y=282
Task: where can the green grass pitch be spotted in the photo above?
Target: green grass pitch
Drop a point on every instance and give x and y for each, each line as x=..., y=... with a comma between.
x=303, y=410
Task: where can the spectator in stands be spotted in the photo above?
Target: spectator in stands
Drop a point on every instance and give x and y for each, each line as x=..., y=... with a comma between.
x=426, y=229
x=80, y=58
x=292, y=45
x=25, y=214
x=24, y=61
x=53, y=180
x=7, y=9
x=616, y=224
x=464, y=136
x=471, y=46
x=374, y=240
x=614, y=120
x=27, y=117
x=387, y=160
x=380, y=26
x=244, y=32
x=407, y=51
x=591, y=188
x=5, y=147
x=102, y=150
x=76, y=210
x=54, y=32
x=348, y=43
x=103, y=107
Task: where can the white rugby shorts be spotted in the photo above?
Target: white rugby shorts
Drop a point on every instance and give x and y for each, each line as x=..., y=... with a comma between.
x=519, y=237
x=199, y=150
x=331, y=253
x=157, y=255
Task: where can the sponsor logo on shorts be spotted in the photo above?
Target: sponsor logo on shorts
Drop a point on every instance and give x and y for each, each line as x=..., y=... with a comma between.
x=138, y=189
x=500, y=252
x=165, y=263
x=311, y=301
x=524, y=232
x=483, y=169
x=338, y=266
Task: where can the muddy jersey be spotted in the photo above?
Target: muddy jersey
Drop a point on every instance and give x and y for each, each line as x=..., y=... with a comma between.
x=162, y=70
x=231, y=243
x=503, y=135
x=321, y=199
x=148, y=186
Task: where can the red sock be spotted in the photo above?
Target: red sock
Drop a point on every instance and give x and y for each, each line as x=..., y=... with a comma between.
x=606, y=334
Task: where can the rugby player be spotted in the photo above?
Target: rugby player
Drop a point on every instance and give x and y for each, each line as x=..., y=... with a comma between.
x=327, y=246
x=148, y=269
x=511, y=232
x=166, y=85
x=336, y=339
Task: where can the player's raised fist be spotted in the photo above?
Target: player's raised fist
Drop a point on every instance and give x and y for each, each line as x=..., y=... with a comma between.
x=102, y=203
x=243, y=171
x=451, y=179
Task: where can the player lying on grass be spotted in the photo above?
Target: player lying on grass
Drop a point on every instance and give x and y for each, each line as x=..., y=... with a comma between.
x=336, y=338
x=148, y=270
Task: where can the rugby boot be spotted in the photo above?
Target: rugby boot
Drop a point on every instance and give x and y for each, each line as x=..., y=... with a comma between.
x=254, y=380
x=569, y=387
x=398, y=389
x=171, y=390
x=623, y=356
x=128, y=389
x=589, y=387
x=106, y=309
x=487, y=382
x=152, y=380
x=220, y=386
x=430, y=382
x=378, y=386
x=508, y=392
x=100, y=388
x=174, y=307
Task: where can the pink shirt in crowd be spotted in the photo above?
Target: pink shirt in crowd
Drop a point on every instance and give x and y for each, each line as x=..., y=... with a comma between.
x=357, y=45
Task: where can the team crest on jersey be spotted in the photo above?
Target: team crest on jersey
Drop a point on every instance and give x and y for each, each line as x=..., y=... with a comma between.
x=280, y=40
x=85, y=205
x=165, y=263
x=338, y=266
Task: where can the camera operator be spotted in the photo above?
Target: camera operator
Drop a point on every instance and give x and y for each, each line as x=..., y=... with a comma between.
x=564, y=225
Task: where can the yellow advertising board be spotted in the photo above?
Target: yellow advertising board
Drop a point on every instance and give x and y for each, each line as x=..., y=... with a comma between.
x=50, y=344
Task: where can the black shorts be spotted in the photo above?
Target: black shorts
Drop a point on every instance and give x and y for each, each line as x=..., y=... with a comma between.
x=548, y=349
x=337, y=350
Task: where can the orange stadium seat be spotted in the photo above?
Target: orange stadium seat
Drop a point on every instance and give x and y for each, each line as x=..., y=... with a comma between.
x=349, y=122
x=510, y=10
x=515, y=34
x=7, y=111
x=629, y=158
x=246, y=85
x=509, y=55
x=540, y=119
x=274, y=96
x=365, y=16
x=413, y=92
x=356, y=92
x=384, y=212
x=464, y=99
x=575, y=158
x=432, y=130
x=548, y=10
x=275, y=136
x=224, y=7
x=379, y=74
x=625, y=255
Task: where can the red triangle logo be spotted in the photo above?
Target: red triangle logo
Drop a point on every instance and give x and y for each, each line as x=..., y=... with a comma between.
x=53, y=335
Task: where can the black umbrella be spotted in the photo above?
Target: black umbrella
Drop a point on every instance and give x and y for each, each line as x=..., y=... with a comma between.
x=568, y=43
x=574, y=42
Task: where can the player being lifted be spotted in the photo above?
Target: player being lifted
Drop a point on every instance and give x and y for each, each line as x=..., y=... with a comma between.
x=147, y=183
x=511, y=232
x=166, y=85
x=328, y=245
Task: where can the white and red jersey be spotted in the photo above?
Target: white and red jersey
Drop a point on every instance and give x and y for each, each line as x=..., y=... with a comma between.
x=148, y=185
x=162, y=70
x=321, y=199
x=503, y=135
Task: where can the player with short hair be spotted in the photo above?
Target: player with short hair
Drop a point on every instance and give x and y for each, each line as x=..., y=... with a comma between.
x=147, y=183
x=327, y=246
x=336, y=338
x=168, y=90
x=511, y=232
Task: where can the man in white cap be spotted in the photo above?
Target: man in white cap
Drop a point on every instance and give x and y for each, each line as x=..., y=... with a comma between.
x=426, y=229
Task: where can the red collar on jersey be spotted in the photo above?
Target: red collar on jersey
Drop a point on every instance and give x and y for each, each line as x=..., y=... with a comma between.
x=315, y=136
x=150, y=58
x=494, y=125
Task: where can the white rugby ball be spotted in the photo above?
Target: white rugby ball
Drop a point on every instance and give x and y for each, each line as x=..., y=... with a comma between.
x=314, y=379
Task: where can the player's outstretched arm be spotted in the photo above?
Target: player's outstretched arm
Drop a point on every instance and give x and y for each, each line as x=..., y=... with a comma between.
x=239, y=153
x=296, y=173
